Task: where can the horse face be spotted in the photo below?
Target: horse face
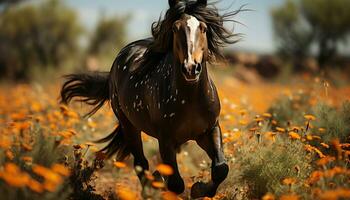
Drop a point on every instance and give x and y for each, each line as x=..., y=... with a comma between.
x=190, y=46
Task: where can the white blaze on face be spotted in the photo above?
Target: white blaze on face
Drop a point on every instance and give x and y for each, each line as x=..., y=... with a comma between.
x=192, y=24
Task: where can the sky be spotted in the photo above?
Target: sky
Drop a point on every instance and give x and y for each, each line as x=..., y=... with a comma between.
x=255, y=25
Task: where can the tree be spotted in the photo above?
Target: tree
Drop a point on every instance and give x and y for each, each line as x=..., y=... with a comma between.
x=299, y=24
x=330, y=21
x=37, y=35
x=293, y=35
x=108, y=36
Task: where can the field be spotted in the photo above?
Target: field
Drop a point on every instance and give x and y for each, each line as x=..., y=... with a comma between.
x=282, y=141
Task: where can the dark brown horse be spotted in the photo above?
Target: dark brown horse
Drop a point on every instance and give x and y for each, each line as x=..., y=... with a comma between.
x=161, y=86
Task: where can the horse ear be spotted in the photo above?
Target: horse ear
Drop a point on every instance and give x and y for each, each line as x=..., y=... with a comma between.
x=172, y=3
x=202, y=2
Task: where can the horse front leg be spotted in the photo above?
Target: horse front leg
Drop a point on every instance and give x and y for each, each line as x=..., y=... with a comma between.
x=211, y=143
x=168, y=154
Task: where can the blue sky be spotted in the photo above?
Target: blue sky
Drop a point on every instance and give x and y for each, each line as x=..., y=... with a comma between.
x=257, y=28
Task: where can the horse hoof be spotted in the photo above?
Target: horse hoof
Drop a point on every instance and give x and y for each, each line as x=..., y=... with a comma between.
x=176, y=185
x=201, y=189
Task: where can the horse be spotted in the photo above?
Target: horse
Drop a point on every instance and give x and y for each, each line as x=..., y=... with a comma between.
x=161, y=86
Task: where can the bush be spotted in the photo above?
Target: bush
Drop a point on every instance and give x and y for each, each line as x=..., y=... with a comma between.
x=264, y=167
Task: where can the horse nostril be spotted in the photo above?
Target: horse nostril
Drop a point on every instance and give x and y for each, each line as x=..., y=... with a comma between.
x=198, y=69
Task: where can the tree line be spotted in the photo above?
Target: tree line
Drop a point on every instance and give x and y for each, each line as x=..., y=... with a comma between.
x=311, y=27
x=47, y=34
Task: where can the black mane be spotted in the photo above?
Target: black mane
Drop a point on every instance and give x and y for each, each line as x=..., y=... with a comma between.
x=217, y=35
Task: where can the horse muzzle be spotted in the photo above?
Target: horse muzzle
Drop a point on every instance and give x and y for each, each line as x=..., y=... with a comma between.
x=191, y=72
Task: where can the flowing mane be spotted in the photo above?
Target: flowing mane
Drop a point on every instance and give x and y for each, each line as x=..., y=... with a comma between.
x=217, y=35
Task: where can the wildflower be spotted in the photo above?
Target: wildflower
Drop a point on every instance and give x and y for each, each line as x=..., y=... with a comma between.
x=324, y=145
x=243, y=112
x=158, y=184
x=48, y=174
x=165, y=169
x=5, y=142
x=119, y=164
x=281, y=130
x=60, y=169
x=268, y=196
x=35, y=186
x=289, y=197
x=315, y=177
x=294, y=135
x=321, y=130
x=337, y=146
x=340, y=193
x=169, y=196
x=267, y=115
x=125, y=193
x=325, y=160
x=13, y=176
x=310, y=117
x=9, y=155
x=243, y=122
x=289, y=181
x=27, y=159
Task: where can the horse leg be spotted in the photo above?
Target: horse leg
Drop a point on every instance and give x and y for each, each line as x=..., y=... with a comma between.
x=168, y=155
x=134, y=144
x=211, y=143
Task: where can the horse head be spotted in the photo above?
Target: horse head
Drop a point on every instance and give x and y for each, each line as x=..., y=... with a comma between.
x=190, y=46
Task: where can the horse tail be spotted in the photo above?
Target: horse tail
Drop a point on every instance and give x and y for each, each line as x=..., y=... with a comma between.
x=116, y=145
x=92, y=88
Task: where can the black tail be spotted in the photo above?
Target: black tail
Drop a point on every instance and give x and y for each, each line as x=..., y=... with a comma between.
x=92, y=88
x=116, y=145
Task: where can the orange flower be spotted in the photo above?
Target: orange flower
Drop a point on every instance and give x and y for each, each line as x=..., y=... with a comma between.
x=309, y=117
x=169, y=196
x=268, y=196
x=281, y=130
x=35, y=186
x=48, y=174
x=125, y=193
x=289, y=197
x=325, y=160
x=267, y=115
x=13, y=176
x=289, y=181
x=340, y=193
x=27, y=159
x=294, y=135
x=165, y=169
x=119, y=164
x=324, y=145
x=60, y=169
x=158, y=184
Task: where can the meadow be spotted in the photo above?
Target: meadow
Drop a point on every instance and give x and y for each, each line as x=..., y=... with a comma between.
x=282, y=141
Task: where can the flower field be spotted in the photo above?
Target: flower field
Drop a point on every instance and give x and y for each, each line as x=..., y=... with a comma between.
x=285, y=142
